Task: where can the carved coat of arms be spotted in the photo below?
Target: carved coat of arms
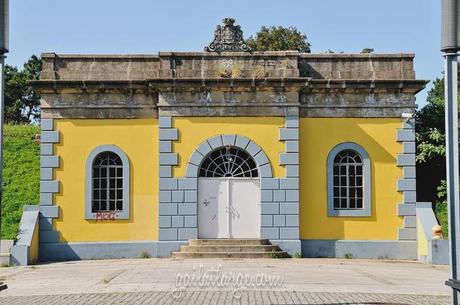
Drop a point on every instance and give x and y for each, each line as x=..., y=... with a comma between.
x=228, y=38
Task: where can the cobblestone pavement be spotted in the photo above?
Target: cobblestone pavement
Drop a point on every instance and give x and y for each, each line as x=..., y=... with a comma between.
x=225, y=297
x=151, y=281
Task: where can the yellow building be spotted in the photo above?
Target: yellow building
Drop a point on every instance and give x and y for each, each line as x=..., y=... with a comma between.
x=313, y=152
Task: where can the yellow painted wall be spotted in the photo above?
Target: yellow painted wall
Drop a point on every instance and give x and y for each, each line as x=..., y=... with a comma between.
x=422, y=242
x=378, y=137
x=139, y=140
x=193, y=131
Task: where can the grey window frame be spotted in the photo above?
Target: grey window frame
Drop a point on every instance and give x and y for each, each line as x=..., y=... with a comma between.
x=124, y=213
x=366, y=211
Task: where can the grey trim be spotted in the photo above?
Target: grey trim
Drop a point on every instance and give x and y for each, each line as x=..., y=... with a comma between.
x=49, y=137
x=407, y=233
x=124, y=214
x=28, y=230
x=405, y=209
x=292, y=247
x=367, y=200
x=47, y=124
x=50, y=211
x=407, y=185
x=106, y=250
x=368, y=249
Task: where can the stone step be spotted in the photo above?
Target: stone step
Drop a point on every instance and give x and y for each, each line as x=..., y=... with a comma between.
x=272, y=254
x=229, y=248
x=226, y=241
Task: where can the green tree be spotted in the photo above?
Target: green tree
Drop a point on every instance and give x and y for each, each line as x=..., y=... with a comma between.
x=430, y=158
x=22, y=103
x=279, y=38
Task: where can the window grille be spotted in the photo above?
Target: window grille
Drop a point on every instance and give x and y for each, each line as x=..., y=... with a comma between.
x=107, y=181
x=228, y=161
x=348, y=181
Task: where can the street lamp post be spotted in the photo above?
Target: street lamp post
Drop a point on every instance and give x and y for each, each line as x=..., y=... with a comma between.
x=450, y=47
x=4, y=21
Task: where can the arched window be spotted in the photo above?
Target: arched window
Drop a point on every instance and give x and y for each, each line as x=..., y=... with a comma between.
x=349, y=192
x=107, y=184
x=228, y=161
x=348, y=180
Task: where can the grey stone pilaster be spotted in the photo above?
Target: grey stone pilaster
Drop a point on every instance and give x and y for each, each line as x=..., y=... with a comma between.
x=177, y=196
x=280, y=196
x=48, y=210
x=407, y=184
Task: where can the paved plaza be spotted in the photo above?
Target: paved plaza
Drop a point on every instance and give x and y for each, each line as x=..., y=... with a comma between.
x=168, y=281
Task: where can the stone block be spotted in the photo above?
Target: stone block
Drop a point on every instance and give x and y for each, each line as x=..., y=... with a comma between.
x=46, y=173
x=241, y=142
x=168, y=234
x=266, y=195
x=167, y=209
x=279, y=220
x=50, y=211
x=289, y=208
x=291, y=122
x=177, y=221
x=265, y=171
x=171, y=134
x=169, y=159
x=177, y=196
x=407, y=234
x=165, y=196
x=204, y=149
x=267, y=221
x=165, y=221
x=410, y=221
x=187, y=209
x=190, y=221
x=46, y=198
x=292, y=146
x=228, y=139
x=289, y=158
x=292, y=195
x=215, y=142
x=253, y=148
x=168, y=184
x=405, y=135
x=46, y=124
x=288, y=134
x=292, y=171
x=49, y=137
x=409, y=172
x=192, y=171
x=279, y=195
x=49, y=161
x=165, y=171
x=406, y=209
x=289, y=183
x=406, y=160
x=269, y=183
x=292, y=220
x=46, y=149
x=409, y=147
x=270, y=233
x=165, y=146
x=165, y=121
x=191, y=196
x=261, y=158
x=269, y=208
x=187, y=233
x=188, y=183
x=410, y=197
x=406, y=185
x=289, y=233
x=49, y=186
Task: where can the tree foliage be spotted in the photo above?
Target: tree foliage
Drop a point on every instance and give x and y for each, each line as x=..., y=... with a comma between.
x=431, y=152
x=22, y=103
x=279, y=38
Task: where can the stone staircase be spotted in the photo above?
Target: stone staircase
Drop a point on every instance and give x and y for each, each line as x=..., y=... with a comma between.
x=229, y=248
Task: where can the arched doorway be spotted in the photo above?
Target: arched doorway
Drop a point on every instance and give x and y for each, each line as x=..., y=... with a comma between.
x=228, y=194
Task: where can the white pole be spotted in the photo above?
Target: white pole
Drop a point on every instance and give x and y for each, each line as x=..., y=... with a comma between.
x=451, y=113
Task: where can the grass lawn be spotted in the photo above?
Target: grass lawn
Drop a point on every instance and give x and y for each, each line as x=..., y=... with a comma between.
x=21, y=175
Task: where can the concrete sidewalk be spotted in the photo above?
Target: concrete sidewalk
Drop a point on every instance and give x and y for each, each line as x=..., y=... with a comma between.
x=152, y=281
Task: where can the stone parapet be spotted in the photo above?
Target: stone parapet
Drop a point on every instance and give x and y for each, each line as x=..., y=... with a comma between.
x=227, y=84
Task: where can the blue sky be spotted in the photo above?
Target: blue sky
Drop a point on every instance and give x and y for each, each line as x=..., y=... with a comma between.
x=147, y=26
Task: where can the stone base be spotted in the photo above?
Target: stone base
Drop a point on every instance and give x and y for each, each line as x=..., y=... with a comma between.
x=292, y=247
x=370, y=249
x=107, y=250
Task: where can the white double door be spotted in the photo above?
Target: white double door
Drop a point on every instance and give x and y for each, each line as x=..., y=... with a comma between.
x=228, y=208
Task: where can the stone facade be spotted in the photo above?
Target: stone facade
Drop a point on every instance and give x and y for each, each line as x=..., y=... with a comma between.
x=286, y=84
